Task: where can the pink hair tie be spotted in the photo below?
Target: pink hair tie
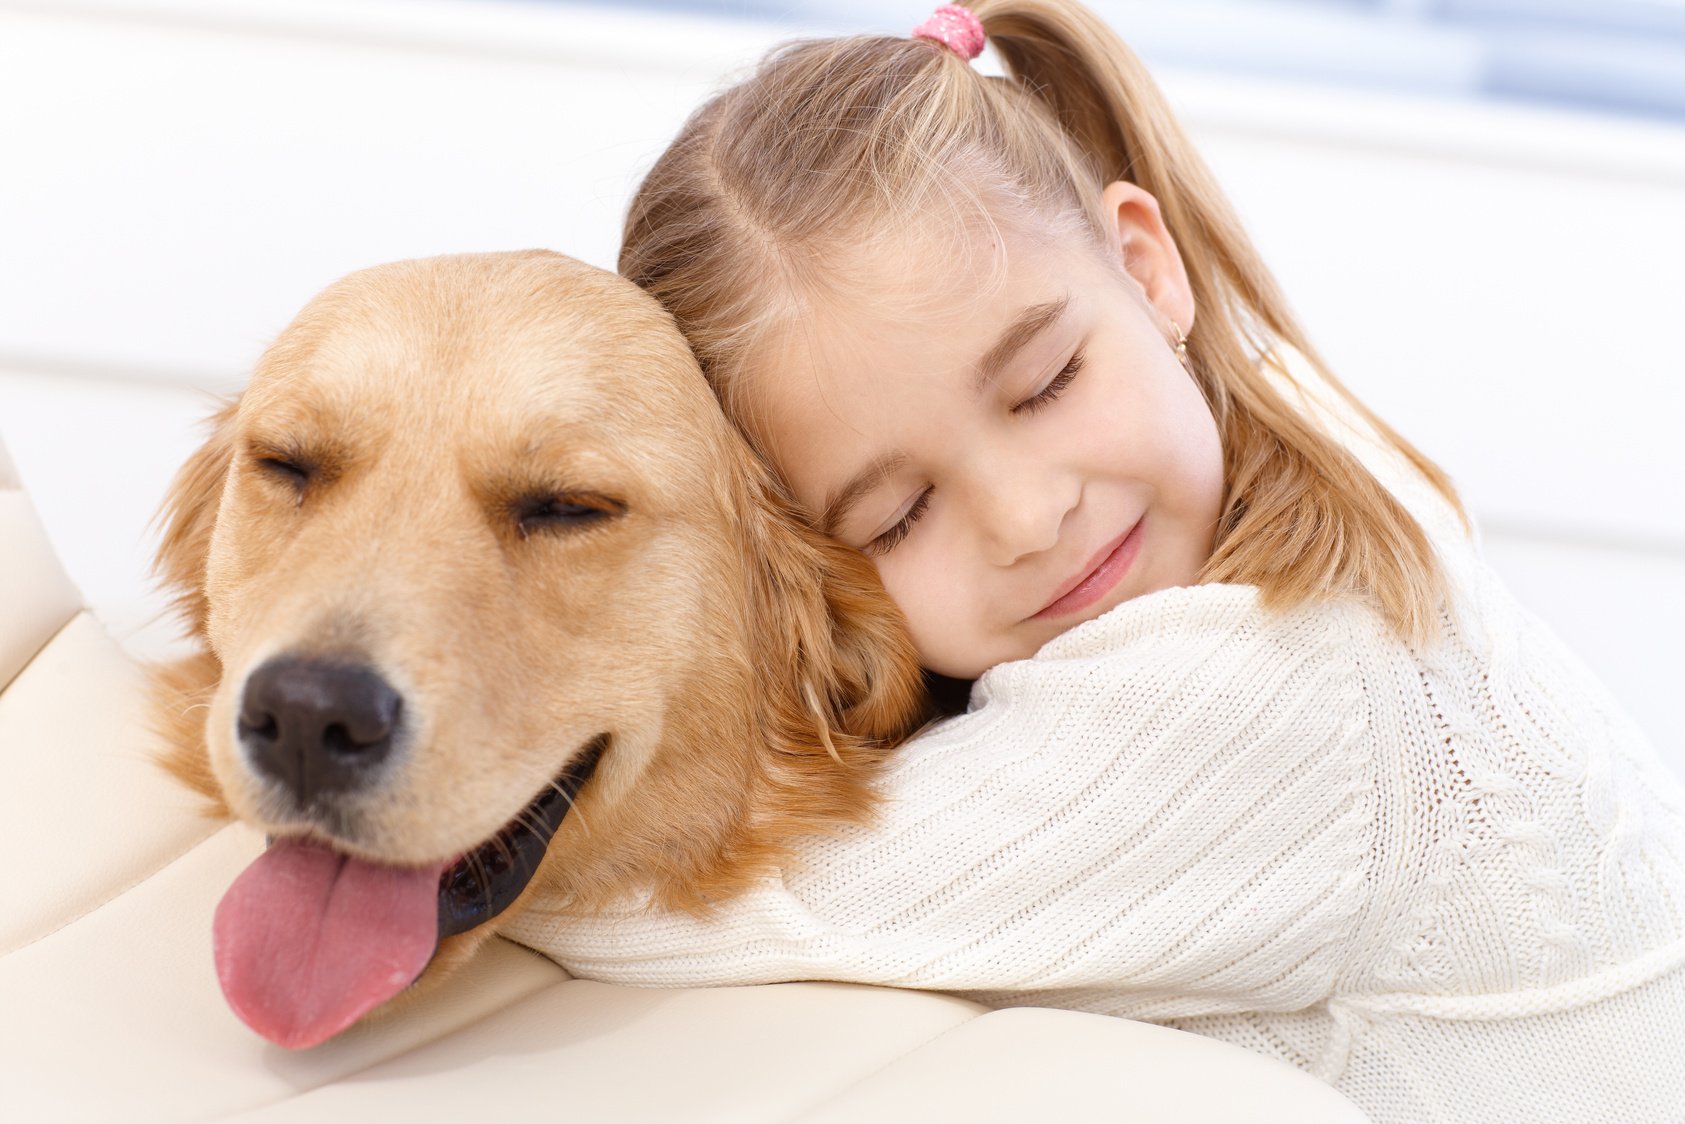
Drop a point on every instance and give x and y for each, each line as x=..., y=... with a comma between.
x=956, y=28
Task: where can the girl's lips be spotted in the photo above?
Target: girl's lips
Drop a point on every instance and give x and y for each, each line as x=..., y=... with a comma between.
x=1101, y=575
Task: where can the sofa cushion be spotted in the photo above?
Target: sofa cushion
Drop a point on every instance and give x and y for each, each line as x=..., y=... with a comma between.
x=582, y=1050
x=84, y=799
x=1031, y=1063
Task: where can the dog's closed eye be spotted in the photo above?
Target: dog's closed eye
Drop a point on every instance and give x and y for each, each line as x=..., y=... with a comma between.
x=299, y=466
x=567, y=512
x=289, y=470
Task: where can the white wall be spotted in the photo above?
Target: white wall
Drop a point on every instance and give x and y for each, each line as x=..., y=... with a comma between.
x=180, y=176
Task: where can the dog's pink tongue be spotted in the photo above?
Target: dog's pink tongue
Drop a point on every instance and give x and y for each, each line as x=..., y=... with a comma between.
x=308, y=941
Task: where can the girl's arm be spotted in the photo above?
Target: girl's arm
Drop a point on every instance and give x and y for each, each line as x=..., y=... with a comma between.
x=1172, y=804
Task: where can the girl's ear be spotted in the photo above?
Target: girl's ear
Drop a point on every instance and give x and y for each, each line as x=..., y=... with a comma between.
x=188, y=516
x=1148, y=252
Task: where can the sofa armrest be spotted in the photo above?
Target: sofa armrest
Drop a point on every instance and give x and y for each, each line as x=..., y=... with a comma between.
x=36, y=596
x=80, y=798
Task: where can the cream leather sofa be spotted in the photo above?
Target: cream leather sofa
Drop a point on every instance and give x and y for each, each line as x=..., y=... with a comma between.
x=110, y=1011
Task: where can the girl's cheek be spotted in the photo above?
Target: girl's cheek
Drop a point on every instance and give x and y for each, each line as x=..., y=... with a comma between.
x=928, y=603
x=907, y=587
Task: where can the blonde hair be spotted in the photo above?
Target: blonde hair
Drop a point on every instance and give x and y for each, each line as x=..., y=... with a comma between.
x=833, y=137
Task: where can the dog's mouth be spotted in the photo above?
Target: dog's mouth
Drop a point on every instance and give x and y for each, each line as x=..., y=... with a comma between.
x=487, y=880
x=308, y=940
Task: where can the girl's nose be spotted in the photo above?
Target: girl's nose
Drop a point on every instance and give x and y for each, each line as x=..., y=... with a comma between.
x=1020, y=512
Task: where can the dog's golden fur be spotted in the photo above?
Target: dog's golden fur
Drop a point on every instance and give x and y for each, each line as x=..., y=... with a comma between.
x=749, y=672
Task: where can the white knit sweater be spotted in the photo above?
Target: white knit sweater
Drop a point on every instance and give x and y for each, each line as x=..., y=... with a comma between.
x=1449, y=882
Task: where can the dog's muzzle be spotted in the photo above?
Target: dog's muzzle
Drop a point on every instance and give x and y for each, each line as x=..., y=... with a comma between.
x=309, y=939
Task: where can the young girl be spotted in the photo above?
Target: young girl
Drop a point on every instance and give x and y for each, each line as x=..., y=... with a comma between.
x=1259, y=747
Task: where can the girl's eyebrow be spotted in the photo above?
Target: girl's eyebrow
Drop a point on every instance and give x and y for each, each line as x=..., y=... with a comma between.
x=1029, y=323
x=839, y=503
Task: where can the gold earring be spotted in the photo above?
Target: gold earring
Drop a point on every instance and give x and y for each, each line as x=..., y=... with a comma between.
x=1181, y=345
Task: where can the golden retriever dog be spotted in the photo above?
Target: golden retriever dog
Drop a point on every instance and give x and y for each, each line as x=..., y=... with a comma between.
x=474, y=548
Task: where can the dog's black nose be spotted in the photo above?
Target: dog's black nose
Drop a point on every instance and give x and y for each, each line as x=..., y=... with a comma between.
x=317, y=727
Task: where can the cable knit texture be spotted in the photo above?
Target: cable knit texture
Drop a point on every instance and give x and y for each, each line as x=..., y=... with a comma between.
x=1450, y=882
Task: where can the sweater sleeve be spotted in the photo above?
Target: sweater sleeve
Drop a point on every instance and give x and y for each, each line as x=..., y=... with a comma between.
x=1167, y=811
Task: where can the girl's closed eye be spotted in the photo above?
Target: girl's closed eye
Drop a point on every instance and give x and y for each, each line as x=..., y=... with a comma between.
x=887, y=541
x=1054, y=388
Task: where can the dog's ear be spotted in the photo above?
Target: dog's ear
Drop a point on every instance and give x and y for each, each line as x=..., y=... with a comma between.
x=181, y=690
x=188, y=515
x=873, y=687
x=826, y=627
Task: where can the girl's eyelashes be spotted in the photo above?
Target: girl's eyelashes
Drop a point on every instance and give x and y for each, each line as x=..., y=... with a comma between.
x=1055, y=387
x=887, y=541
x=891, y=538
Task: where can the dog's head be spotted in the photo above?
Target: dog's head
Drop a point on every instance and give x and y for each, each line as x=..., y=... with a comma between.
x=477, y=547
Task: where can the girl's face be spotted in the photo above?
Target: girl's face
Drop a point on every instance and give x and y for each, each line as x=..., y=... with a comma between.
x=1018, y=450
